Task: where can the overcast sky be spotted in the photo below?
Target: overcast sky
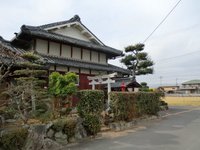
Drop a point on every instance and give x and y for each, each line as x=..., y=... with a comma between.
x=174, y=47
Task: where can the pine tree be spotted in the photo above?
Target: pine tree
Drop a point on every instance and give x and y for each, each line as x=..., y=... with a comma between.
x=137, y=61
x=28, y=89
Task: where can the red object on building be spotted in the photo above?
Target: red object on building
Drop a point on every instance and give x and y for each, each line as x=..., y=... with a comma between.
x=123, y=87
x=83, y=84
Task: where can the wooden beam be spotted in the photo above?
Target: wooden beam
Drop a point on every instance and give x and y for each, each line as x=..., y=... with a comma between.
x=71, y=51
x=98, y=57
x=90, y=55
x=81, y=53
x=48, y=46
x=60, y=49
x=103, y=76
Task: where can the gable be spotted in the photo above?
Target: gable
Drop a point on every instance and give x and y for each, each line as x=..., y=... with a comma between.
x=72, y=28
x=71, y=32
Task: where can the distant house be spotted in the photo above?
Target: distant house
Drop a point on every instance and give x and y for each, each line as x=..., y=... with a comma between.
x=191, y=87
x=168, y=89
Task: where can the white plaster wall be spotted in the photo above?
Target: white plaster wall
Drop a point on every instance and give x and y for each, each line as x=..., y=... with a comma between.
x=102, y=72
x=72, y=69
x=76, y=53
x=94, y=72
x=66, y=51
x=41, y=46
x=86, y=71
x=86, y=55
x=54, y=49
x=95, y=56
x=103, y=58
x=62, y=68
x=71, y=32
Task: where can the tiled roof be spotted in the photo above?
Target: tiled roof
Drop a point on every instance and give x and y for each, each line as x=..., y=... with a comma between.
x=76, y=18
x=38, y=32
x=8, y=52
x=6, y=45
x=84, y=64
x=192, y=82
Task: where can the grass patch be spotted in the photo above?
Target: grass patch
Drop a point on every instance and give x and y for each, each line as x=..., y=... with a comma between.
x=182, y=101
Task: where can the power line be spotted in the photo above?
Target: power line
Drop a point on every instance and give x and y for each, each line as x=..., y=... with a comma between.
x=162, y=21
x=185, y=54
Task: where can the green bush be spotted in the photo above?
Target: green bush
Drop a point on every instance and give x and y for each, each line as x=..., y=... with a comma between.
x=123, y=105
x=92, y=124
x=148, y=103
x=89, y=108
x=91, y=102
x=128, y=105
x=13, y=139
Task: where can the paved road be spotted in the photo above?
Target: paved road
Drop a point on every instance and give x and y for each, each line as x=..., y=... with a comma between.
x=179, y=130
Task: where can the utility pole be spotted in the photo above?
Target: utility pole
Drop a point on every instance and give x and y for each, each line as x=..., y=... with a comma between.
x=176, y=81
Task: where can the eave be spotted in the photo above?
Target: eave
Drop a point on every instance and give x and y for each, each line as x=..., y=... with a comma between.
x=29, y=32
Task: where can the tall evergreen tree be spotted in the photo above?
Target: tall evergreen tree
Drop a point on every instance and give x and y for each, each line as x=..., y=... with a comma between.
x=137, y=61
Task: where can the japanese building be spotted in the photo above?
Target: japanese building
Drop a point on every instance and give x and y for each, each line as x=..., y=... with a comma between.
x=68, y=46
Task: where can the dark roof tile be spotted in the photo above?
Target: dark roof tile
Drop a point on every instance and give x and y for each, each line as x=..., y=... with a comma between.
x=76, y=18
x=84, y=64
x=38, y=32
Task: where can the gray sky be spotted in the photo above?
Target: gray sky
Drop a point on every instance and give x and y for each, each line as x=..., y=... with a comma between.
x=119, y=23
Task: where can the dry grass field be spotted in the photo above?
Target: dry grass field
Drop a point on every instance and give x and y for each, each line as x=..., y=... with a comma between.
x=183, y=101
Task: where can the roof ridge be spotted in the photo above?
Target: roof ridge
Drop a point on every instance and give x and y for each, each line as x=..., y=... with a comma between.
x=192, y=81
x=75, y=18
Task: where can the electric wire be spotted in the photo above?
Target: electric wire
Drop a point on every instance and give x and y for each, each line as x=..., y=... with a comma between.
x=162, y=21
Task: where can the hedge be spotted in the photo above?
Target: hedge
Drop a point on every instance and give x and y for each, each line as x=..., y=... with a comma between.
x=123, y=105
x=128, y=105
x=91, y=102
x=90, y=106
x=148, y=103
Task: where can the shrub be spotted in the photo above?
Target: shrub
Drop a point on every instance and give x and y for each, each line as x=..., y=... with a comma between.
x=59, y=124
x=123, y=105
x=128, y=105
x=163, y=105
x=92, y=124
x=148, y=103
x=13, y=139
x=89, y=108
x=91, y=102
x=62, y=87
x=70, y=126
